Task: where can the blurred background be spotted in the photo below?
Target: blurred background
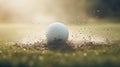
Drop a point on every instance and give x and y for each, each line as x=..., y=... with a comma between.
x=68, y=11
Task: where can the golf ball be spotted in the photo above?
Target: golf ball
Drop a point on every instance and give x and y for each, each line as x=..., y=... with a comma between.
x=57, y=33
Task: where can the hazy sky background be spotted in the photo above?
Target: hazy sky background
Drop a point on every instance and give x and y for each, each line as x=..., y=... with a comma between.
x=44, y=11
x=41, y=11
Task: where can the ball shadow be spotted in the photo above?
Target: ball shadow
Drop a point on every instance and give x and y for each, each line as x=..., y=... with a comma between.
x=62, y=47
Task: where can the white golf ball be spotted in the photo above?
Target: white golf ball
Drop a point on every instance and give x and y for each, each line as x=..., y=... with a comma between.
x=57, y=33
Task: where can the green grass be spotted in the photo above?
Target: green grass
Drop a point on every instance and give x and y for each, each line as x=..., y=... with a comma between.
x=17, y=57
x=103, y=56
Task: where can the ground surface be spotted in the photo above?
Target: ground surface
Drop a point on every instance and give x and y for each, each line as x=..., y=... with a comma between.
x=100, y=56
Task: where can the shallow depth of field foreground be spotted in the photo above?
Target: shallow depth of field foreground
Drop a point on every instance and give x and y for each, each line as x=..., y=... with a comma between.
x=88, y=45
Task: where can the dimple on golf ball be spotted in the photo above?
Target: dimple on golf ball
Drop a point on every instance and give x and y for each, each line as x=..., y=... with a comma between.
x=57, y=33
